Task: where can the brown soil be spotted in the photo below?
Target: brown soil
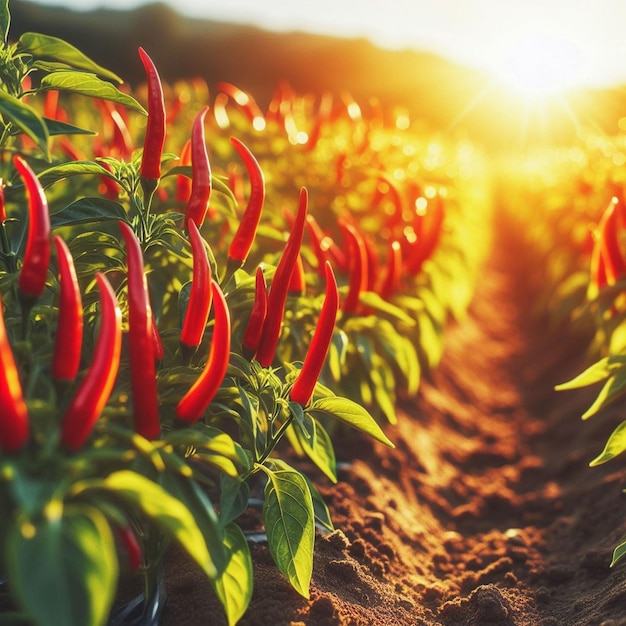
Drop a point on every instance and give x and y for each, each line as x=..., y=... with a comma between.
x=486, y=512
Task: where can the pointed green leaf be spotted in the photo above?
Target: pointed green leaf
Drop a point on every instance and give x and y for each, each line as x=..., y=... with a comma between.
x=87, y=211
x=290, y=524
x=374, y=301
x=199, y=505
x=322, y=514
x=50, y=48
x=594, y=374
x=352, y=414
x=56, y=127
x=234, y=497
x=89, y=85
x=320, y=450
x=25, y=118
x=169, y=514
x=234, y=586
x=614, y=388
x=618, y=553
x=74, y=168
x=64, y=568
x=5, y=20
x=615, y=445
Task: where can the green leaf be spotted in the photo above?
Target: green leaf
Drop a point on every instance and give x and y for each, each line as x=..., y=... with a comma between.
x=594, y=374
x=374, y=301
x=5, y=20
x=614, y=388
x=64, y=568
x=88, y=210
x=322, y=514
x=55, y=127
x=352, y=414
x=320, y=450
x=25, y=118
x=290, y=524
x=89, y=85
x=234, y=497
x=234, y=586
x=618, y=553
x=50, y=48
x=615, y=445
x=73, y=168
x=199, y=505
x=169, y=514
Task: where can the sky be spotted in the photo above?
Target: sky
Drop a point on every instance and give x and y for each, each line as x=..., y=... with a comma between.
x=530, y=44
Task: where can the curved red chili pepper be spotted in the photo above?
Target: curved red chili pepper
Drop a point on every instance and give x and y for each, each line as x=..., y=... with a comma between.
x=358, y=267
x=195, y=402
x=154, y=139
x=32, y=279
x=324, y=246
x=95, y=389
x=156, y=340
x=50, y=104
x=304, y=384
x=200, y=296
x=14, y=422
x=254, y=328
x=280, y=283
x=297, y=283
x=69, y=332
x=246, y=102
x=141, y=341
x=391, y=280
x=610, y=249
x=428, y=230
x=244, y=237
x=198, y=202
x=131, y=545
x=322, y=117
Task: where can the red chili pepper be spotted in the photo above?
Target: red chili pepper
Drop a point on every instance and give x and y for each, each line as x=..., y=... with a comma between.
x=280, y=283
x=198, y=203
x=254, y=328
x=304, y=384
x=155, y=131
x=95, y=389
x=32, y=279
x=297, y=284
x=156, y=340
x=141, y=344
x=428, y=229
x=324, y=246
x=322, y=117
x=69, y=332
x=14, y=422
x=200, y=296
x=610, y=249
x=131, y=545
x=122, y=144
x=246, y=102
x=244, y=237
x=50, y=104
x=391, y=280
x=358, y=267
x=195, y=402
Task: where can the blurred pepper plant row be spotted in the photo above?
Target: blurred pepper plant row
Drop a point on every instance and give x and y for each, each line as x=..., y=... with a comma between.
x=196, y=294
x=576, y=223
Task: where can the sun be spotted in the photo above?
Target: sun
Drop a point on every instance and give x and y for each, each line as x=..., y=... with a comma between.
x=540, y=65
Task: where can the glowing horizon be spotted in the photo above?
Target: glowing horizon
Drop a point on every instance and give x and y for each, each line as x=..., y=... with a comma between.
x=579, y=44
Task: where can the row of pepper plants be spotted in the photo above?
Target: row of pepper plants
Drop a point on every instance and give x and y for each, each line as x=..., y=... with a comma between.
x=577, y=228
x=197, y=297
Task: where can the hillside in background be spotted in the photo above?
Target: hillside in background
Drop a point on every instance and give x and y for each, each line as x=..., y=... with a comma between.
x=448, y=97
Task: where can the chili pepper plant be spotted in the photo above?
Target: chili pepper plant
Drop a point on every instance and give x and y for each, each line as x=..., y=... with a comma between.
x=195, y=294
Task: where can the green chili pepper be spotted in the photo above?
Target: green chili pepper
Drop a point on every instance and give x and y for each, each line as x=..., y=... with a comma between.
x=14, y=422
x=69, y=332
x=304, y=384
x=195, y=402
x=198, y=202
x=96, y=387
x=244, y=237
x=141, y=341
x=32, y=279
x=200, y=297
x=280, y=283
